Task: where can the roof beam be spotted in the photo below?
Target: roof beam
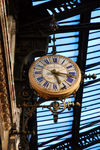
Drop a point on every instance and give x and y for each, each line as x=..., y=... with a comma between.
x=79, y=27
x=61, y=29
x=83, y=44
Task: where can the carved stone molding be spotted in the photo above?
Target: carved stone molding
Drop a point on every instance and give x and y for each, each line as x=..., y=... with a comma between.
x=9, y=113
x=4, y=103
x=8, y=28
x=12, y=36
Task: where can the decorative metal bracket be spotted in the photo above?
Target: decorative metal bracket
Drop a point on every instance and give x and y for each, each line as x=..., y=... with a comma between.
x=93, y=76
x=85, y=76
x=55, y=107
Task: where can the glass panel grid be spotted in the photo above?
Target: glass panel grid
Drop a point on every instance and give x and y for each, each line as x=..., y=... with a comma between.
x=90, y=112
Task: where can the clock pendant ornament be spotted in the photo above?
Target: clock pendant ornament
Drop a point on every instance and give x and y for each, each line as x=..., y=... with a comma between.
x=55, y=77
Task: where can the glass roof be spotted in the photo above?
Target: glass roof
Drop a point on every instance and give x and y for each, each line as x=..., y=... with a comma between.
x=90, y=113
x=91, y=96
x=50, y=133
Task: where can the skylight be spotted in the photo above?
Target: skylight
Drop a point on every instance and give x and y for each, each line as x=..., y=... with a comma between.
x=38, y=2
x=90, y=112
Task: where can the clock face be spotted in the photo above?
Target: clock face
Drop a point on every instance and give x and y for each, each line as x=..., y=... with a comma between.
x=54, y=76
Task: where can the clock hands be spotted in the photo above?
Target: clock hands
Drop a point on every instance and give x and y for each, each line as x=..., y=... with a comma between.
x=61, y=73
x=57, y=73
x=68, y=75
x=56, y=76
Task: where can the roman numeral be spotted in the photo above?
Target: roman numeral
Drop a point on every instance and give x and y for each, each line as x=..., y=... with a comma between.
x=54, y=86
x=46, y=61
x=63, y=61
x=40, y=79
x=37, y=72
x=40, y=66
x=69, y=67
x=70, y=80
x=64, y=86
x=73, y=73
x=46, y=84
x=55, y=60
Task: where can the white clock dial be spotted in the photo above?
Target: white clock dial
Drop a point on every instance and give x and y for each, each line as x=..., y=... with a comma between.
x=54, y=75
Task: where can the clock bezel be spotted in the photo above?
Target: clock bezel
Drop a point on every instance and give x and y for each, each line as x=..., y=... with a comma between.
x=45, y=93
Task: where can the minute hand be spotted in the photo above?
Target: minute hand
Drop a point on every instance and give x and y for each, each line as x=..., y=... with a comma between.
x=68, y=75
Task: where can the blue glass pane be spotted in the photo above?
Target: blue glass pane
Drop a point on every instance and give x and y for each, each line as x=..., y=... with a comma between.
x=95, y=15
x=95, y=60
x=94, y=35
x=67, y=34
x=70, y=21
x=88, y=128
x=93, y=147
x=34, y=3
x=94, y=48
x=66, y=40
x=67, y=48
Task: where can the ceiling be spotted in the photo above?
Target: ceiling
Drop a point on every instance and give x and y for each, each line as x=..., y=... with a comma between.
x=77, y=37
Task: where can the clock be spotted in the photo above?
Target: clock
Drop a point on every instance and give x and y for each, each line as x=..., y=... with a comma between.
x=54, y=76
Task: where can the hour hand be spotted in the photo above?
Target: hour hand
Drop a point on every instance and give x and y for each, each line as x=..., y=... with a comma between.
x=56, y=76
